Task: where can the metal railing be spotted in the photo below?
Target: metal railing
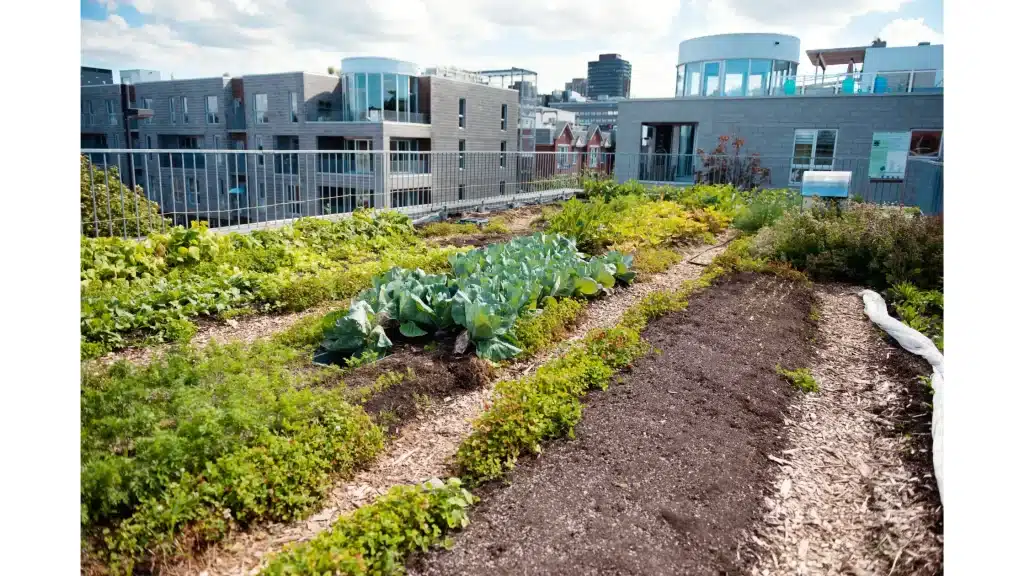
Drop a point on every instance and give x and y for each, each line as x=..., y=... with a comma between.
x=239, y=190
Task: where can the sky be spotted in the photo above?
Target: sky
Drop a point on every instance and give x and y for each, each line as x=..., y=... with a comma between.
x=555, y=38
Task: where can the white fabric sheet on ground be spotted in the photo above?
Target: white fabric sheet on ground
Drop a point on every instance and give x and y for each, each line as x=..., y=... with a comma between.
x=914, y=341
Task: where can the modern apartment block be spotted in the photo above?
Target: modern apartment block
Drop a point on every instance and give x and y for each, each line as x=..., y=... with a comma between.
x=880, y=116
x=610, y=76
x=96, y=76
x=369, y=129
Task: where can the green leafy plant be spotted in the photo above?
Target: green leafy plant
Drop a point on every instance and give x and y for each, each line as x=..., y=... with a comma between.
x=444, y=229
x=490, y=289
x=801, y=378
x=765, y=207
x=377, y=538
x=922, y=310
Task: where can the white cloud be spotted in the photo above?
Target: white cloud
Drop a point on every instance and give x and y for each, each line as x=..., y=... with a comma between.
x=556, y=38
x=909, y=32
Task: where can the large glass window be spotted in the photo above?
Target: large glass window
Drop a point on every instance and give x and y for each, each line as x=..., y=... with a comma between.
x=414, y=92
x=212, y=110
x=390, y=97
x=711, y=79
x=680, y=81
x=374, y=96
x=780, y=72
x=693, y=79
x=403, y=98
x=760, y=73
x=261, y=107
x=736, y=77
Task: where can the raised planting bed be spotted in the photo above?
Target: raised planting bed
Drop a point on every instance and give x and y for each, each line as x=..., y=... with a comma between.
x=669, y=465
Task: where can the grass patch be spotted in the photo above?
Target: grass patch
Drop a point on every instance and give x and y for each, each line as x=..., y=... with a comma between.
x=801, y=378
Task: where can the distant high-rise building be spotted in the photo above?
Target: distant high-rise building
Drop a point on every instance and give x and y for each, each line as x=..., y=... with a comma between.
x=609, y=75
x=96, y=76
x=578, y=85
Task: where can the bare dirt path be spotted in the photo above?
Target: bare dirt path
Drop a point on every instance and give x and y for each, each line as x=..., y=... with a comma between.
x=854, y=492
x=423, y=448
x=670, y=465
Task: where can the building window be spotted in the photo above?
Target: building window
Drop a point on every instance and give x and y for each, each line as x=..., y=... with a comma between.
x=212, y=110
x=462, y=154
x=462, y=191
x=593, y=156
x=261, y=108
x=501, y=158
x=293, y=100
x=174, y=110
x=111, y=112
x=812, y=150
x=149, y=144
x=263, y=190
x=926, y=143
x=147, y=103
x=736, y=77
x=711, y=78
x=562, y=157
x=501, y=188
x=462, y=112
x=259, y=146
x=504, y=116
x=184, y=109
x=87, y=113
x=760, y=73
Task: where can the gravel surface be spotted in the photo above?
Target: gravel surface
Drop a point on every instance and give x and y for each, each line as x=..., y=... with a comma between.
x=669, y=465
x=851, y=495
x=422, y=450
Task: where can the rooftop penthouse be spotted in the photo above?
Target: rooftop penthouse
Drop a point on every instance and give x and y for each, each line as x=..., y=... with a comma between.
x=761, y=65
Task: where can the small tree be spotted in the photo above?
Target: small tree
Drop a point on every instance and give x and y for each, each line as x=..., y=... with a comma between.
x=109, y=208
x=723, y=166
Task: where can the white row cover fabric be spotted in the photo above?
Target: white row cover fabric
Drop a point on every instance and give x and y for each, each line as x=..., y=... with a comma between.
x=914, y=341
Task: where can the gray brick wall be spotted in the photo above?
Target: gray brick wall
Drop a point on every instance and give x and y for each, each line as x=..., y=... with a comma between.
x=482, y=174
x=768, y=124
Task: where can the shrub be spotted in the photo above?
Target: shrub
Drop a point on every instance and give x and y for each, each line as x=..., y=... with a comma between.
x=868, y=244
x=655, y=260
x=766, y=207
x=109, y=208
x=377, y=538
x=497, y=225
x=726, y=165
x=627, y=221
x=539, y=330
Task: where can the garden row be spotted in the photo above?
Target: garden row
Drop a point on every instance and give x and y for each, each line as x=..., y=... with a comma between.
x=178, y=453
x=880, y=247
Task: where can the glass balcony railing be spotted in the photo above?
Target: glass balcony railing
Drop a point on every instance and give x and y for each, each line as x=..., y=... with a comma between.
x=235, y=119
x=410, y=163
x=345, y=162
x=844, y=83
x=331, y=115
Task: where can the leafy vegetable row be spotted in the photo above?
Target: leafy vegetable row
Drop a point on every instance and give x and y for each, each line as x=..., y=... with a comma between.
x=489, y=289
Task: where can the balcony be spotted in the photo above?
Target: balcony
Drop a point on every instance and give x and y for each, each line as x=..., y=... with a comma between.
x=330, y=115
x=345, y=162
x=235, y=119
x=286, y=163
x=842, y=84
x=410, y=163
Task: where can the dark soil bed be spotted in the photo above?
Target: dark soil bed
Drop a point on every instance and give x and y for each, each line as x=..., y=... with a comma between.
x=669, y=465
x=399, y=386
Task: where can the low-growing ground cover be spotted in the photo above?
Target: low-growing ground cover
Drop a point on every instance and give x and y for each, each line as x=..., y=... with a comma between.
x=154, y=289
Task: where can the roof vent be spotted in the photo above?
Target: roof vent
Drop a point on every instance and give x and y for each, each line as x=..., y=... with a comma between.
x=924, y=43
